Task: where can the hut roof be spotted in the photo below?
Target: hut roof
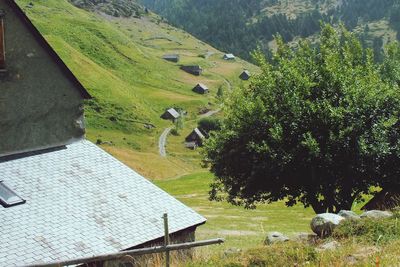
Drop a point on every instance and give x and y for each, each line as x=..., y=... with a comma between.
x=80, y=202
x=199, y=133
x=202, y=85
x=229, y=56
x=173, y=113
x=171, y=56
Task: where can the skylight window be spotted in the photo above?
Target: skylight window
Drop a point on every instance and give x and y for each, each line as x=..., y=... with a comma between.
x=9, y=198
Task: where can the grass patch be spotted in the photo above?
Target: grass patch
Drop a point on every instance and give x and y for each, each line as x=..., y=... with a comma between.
x=245, y=230
x=373, y=231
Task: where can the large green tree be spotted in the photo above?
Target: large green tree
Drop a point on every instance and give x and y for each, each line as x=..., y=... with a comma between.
x=320, y=125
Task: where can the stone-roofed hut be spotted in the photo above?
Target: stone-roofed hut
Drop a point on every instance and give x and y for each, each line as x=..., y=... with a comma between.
x=170, y=114
x=195, y=70
x=245, y=75
x=229, y=57
x=172, y=57
x=195, y=138
x=62, y=197
x=200, y=88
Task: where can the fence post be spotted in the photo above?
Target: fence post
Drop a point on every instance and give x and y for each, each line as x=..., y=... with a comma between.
x=166, y=239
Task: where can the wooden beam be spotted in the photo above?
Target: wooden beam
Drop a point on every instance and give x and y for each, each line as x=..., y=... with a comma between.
x=2, y=46
x=134, y=252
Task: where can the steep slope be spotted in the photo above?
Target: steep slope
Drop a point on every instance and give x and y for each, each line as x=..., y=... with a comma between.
x=242, y=25
x=118, y=59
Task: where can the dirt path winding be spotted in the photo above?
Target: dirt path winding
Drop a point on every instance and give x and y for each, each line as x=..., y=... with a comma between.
x=162, y=142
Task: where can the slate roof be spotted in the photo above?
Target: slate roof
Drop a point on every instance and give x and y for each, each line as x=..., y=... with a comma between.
x=202, y=85
x=229, y=56
x=80, y=201
x=246, y=72
x=173, y=113
x=199, y=133
x=171, y=56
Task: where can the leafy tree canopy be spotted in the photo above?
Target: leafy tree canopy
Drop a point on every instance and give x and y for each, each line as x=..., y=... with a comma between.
x=319, y=126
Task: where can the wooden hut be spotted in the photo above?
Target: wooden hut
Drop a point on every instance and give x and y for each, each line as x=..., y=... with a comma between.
x=201, y=89
x=171, y=57
x=229, y=57
x=195, y=138
x=195, y=69
x=245, y=75
x=170, y=114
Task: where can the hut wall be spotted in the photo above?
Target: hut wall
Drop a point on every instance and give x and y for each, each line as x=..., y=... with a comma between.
x=40, y=108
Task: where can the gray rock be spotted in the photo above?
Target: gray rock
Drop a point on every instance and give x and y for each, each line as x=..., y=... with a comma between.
x=376, y=214
x=329, y=246
x=349, y=215
x=323, y=224
x=275, y=237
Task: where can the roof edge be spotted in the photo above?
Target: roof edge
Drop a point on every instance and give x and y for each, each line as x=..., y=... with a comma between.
x=42, y=41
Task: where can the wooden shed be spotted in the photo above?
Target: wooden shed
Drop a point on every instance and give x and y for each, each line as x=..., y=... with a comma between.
x=229, y=57
x=170, y=114
x=200, y=88
x=172, y=57
x=196, y=137
x=195, y=69
x=245, y=75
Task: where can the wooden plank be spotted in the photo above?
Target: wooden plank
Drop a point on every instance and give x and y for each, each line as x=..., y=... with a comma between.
x=2, y=46
x=134, y=252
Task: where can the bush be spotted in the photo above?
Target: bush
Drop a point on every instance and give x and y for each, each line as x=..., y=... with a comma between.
x=174, y=132
x=209, y=124
x=370, y=230
x=273, y=256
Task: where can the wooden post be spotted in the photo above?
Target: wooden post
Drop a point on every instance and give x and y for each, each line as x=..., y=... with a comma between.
x=166, y=239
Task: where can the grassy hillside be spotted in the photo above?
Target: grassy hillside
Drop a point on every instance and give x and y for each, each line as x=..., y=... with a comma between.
x=119, y=61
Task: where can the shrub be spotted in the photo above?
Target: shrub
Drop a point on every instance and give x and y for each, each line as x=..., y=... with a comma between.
x=370, y=230
x=174, y=132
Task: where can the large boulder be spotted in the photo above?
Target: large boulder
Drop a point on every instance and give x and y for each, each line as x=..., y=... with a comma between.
x=323, y=224
x=349, y=215
x=376, y=214
x=275, y=237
